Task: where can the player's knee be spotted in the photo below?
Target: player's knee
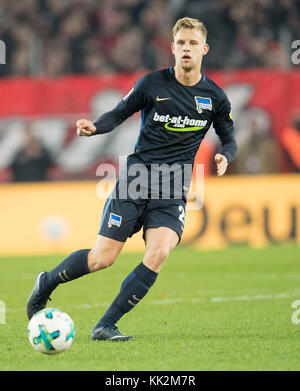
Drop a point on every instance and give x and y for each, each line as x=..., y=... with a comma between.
x=155, y=257
x=100, y=259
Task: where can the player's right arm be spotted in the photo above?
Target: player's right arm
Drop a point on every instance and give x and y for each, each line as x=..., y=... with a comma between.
x=134, y=101
x=85, y=127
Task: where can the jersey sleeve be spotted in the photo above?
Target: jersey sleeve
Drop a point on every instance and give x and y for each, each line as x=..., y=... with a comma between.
x=224, y=128
x=133, y=102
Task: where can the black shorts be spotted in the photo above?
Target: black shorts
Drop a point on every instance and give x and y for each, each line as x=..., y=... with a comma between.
x=124, y=217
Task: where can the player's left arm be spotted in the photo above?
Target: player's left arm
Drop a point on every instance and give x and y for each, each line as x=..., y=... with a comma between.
x=224, y=128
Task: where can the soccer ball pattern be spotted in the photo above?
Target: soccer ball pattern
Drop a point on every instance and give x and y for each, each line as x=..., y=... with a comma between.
x=51, y=331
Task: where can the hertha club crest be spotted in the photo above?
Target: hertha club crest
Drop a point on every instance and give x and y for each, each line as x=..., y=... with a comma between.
x=203, y=104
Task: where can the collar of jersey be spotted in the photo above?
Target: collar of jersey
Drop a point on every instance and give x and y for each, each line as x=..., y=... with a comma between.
x=172, y=73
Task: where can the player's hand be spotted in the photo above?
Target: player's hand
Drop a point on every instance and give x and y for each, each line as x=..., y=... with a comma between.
x=85, y=127
x=222, y=164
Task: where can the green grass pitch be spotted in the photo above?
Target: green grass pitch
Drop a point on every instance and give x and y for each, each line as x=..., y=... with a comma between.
x=209, y=310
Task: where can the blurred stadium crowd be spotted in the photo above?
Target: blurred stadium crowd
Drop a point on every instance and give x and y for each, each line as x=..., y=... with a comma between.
x=58, y=37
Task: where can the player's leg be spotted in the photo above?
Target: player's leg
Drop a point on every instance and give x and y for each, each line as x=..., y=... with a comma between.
x=76, y=265
x=159, y=242
x=111, y=238
x=104, y=253
x=81, y=262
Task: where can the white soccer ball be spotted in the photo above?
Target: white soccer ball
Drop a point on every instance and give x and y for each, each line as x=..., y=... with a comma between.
x=51, y=331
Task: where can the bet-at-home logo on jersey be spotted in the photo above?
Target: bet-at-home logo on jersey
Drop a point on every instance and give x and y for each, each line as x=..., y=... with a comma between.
x=180, y=124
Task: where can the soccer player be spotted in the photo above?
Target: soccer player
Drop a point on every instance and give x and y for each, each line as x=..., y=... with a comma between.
x=178, y=105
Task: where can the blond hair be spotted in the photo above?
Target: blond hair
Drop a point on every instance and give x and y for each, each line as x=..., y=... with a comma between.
x=189, y=23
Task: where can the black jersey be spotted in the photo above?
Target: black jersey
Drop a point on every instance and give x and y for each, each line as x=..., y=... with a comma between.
x=174, y=118
x=174, y=121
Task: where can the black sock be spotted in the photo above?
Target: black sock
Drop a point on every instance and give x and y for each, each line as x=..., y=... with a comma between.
x=74, y=266
x=133, y=289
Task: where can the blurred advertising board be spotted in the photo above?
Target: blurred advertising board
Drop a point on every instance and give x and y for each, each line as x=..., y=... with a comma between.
x=49, y=218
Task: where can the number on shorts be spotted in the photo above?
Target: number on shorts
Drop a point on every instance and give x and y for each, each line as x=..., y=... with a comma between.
x=182, y=213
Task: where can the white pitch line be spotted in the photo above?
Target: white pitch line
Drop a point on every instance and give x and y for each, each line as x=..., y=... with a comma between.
x=195, y=300
x=270, y=296
x=88, y=306
x=166, y=301
x=256, y=297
